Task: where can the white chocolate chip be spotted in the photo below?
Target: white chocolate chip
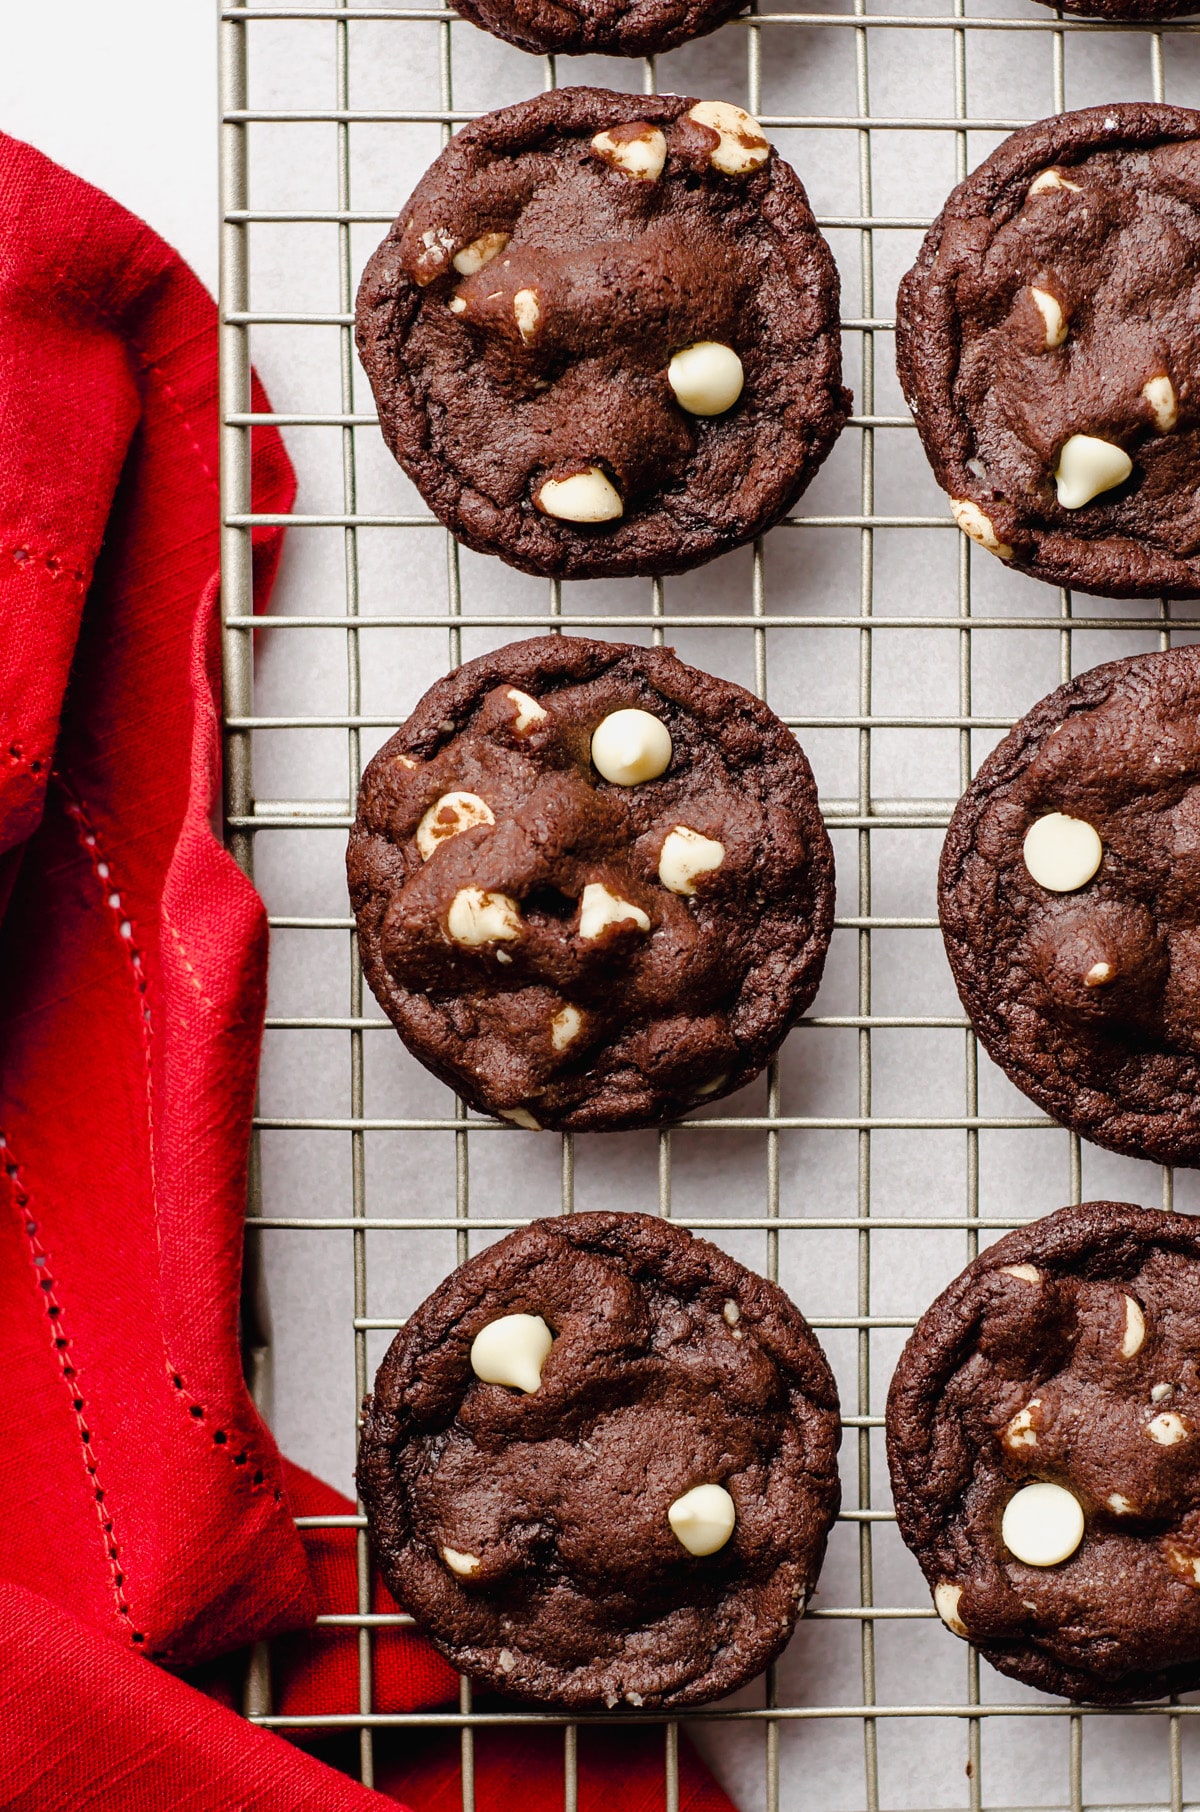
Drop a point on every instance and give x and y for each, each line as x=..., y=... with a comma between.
x=703, y=1518
x=565, y=1027
x=946, y=1599
x=1099, y=975
x=1042, y=1524
x=1183, y=1562
x=478, y=917
x=1051, y=179
x=1159, y=392
x=685, y=855
x=1053, y=321
x=520, y=1116
x=1087, y=466
x=710, y=1088
x=635, y=1698
x=641, y=155
x=732, y=1313
x=404, y=761
x=1020, y=1431
x=456, y=305
x=1121, y=1505
x=512, y=1350
x=598, y=909
x=529, y=712
x=481, y=251
x=1135, y=1328
x=464, y=1564
x=527, y=312
x=451, y=814
x=1161, y=1392
x=587, y=496
x=506, y=1660
x=631, y=746
x=707, y=377
x=973, y=523
x=743, y=145
x=1167, y=1429
x=1062, y=853
x=1027, y=1273
x=437, y=244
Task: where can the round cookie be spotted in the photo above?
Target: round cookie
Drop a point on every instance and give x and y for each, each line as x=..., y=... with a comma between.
x=616, y=28
x=1070, y=904
x=1048, y=343
x=520, y=325
x=1043, y=1432
x=593, y=886
x=641, y=1527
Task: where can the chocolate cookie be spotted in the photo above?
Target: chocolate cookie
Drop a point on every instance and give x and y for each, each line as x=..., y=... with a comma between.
x=618, y=28
x=1048, y=342
x=592, y=885
x=600, y=1465
x=1145, y=12
x=1044, y=1438
x=603, y=334
x=1070, y=904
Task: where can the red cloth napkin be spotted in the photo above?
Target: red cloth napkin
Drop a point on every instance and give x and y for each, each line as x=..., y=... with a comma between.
x=147, y=1515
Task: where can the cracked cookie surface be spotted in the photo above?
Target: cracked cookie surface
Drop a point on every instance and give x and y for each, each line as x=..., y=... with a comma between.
x=573, y=950
x=1048, y=343
x=521, y=322
x=529, y=1531
x=1059, y=1374
x=1083, y=979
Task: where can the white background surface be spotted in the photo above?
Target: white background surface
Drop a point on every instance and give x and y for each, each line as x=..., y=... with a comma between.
x=125, y=94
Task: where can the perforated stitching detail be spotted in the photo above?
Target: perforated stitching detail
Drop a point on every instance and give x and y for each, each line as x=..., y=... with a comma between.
x=39, y=1259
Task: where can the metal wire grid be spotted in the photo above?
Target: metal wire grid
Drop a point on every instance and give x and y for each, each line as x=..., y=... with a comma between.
x=863, y=813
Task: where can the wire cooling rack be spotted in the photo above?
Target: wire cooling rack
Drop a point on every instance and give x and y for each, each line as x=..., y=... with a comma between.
x=879, y=1152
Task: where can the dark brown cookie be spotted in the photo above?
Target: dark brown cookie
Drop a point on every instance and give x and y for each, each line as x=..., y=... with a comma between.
x=525, y=322
x=618, y=28
x=590, y=946
x=620, y=1492
x=1065, y=1358
x=1048, y=342
x=1077, y=954
x=1145, y=12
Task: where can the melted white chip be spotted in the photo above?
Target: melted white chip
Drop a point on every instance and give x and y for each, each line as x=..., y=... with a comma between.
x=520, y=1116
x=527, y=312
x=1062, y=853
x=1167, y=1428
x=450, y=815
x=1159, y=392
x=512, y=1350
x=686, y=855
x=1042, y=1524
x=641, y=155
x=529, y=712
x=1121, y=1505
x=583, y=497
x=481, y=251
x=732, y=1313
x=1135, y=1328
x=743, y=145
x=456, y=305
x=946, y=1598
x=465, y=1564
x=631, y=746
x=1099, y=975
x=1051, y=179
x=598, y=909
x=1027, y=1273
x=978, y=527
x=507, y=1660
x=707, y=377
x=711, y=1087
x=1054, y=326
x=1161, y=1392
x=478, y=917
x=565, y=1027
x=703, y=1518
x=1020, y=1431
x=1087, y=466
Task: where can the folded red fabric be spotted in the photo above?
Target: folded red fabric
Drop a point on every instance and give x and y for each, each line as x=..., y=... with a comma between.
x=147, y=1512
